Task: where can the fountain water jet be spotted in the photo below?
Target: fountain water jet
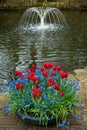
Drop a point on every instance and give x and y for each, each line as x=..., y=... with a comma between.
x=42, y=18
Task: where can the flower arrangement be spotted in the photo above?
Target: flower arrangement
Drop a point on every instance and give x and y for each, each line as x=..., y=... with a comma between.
x=43, y=92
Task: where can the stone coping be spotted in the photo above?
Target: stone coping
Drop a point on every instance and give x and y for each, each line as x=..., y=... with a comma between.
x=14, y=8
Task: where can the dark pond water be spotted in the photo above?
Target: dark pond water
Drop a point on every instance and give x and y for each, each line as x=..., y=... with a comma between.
x=18, y=51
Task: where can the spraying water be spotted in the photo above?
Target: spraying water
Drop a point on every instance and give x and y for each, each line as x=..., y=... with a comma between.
x=42, y=18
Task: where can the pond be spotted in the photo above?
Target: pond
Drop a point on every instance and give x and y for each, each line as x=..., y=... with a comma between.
x=19, y=50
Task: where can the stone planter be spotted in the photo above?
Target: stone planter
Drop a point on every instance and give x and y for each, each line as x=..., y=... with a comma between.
x=36, y=120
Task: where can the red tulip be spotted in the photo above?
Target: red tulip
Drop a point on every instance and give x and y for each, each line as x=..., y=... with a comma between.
x=54, y=68
x=63, y=74
x=50, y=65
x=51, y=81
x=57, y=87
x=53, y=72
x=28, y=77
x=33, y=67
x=19, y=73
x=45, y=73
x=49, y=84
x=36, y=92
x=66, y=75
x=58, y=67
x=42, y=69
x=34, y=78
x=19, y=86
x=47, y=65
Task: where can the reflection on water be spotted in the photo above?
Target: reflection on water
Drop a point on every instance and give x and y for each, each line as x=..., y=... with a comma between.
x=19, y=50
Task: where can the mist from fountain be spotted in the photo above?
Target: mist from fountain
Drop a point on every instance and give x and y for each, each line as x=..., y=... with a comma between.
x=38, y=18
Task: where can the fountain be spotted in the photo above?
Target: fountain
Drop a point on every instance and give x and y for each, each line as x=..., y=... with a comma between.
x=42, y=18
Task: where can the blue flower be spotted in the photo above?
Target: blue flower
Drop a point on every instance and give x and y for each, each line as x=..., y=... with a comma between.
x=27, y=92
x=43, y=83
x=67, y=127
x=68, y=123
x=77, y=88
x=11, y=89
x=76, y=105
x=51, y=88
x=27, y=106
x=23, y=117
x=28, y=100
x=62, y=124
x=43, y=106
x=50, y=72
x=41, y=78
x=81, y=115
x=18, y=110
x=22, y=100
x=81, y=106
x=76, y=117
x=25, y=80
x=38, y=72
x=44, y=97
x=53, y=101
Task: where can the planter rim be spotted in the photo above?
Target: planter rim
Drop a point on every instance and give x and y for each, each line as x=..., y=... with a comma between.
x=33, y=118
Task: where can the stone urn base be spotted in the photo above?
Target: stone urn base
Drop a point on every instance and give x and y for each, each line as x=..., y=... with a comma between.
x=36, y=120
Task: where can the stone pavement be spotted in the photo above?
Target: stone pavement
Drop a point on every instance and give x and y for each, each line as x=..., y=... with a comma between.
x=12, y=122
